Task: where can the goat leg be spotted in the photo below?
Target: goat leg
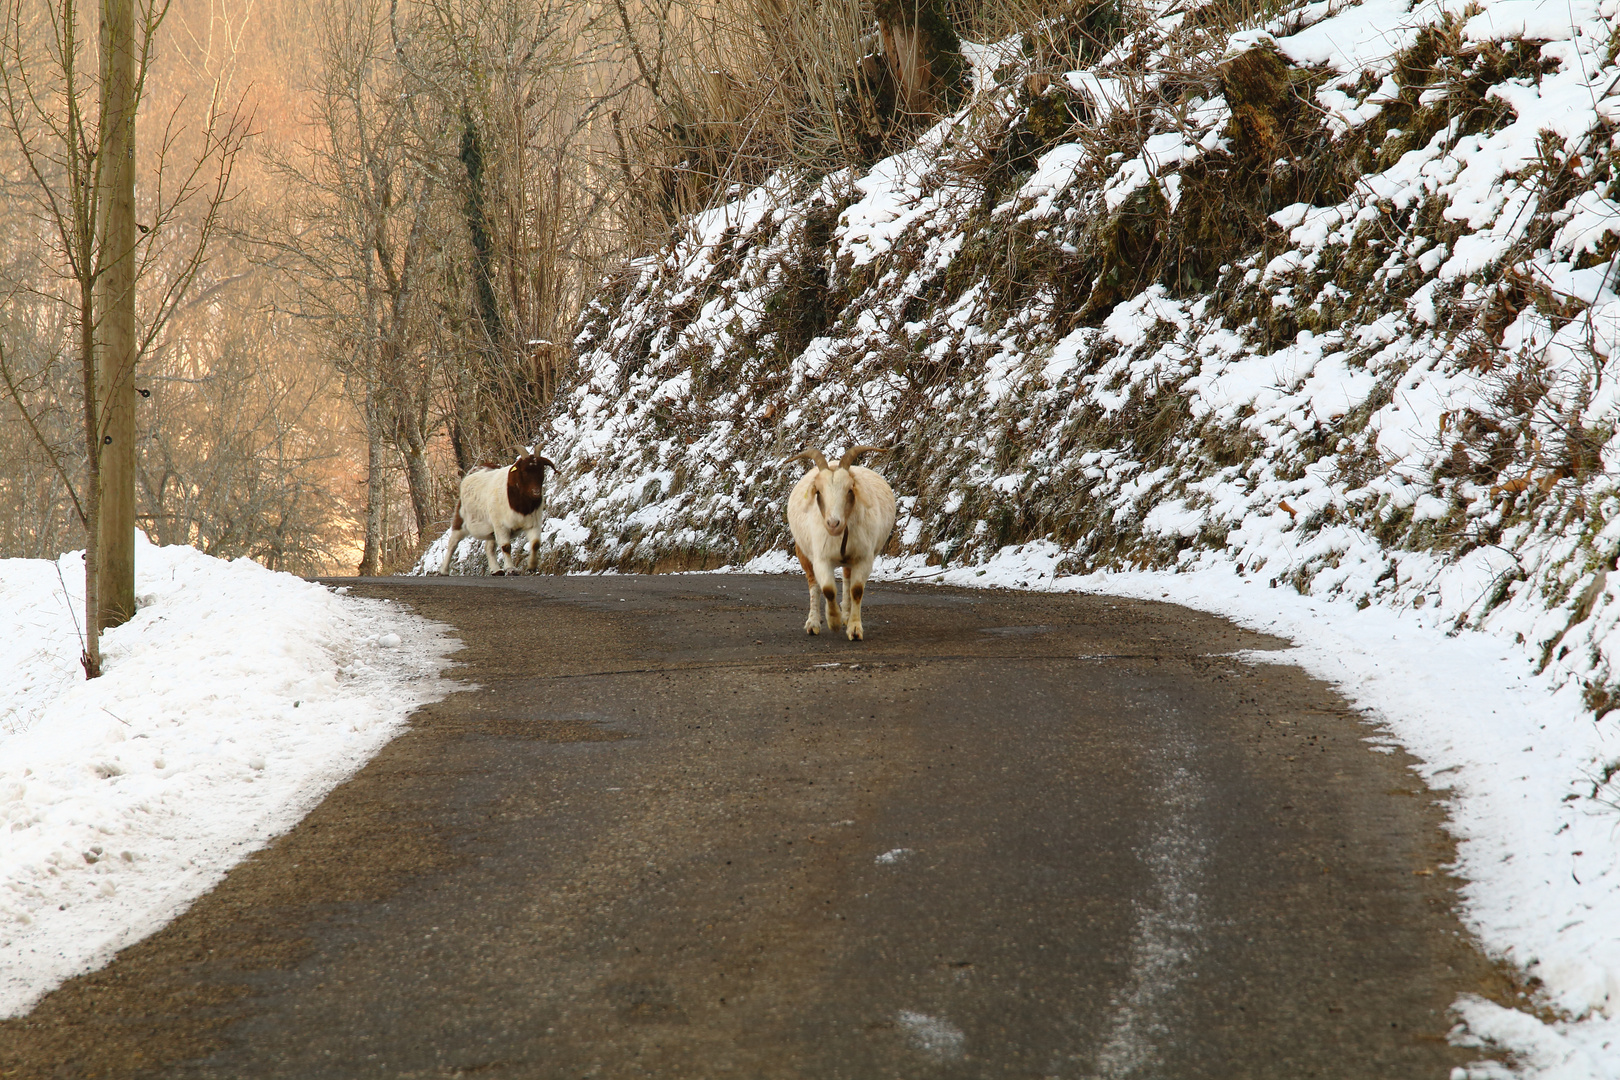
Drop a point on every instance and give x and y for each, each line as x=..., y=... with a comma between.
x=812, y=622
x=452, y=541
x=828, y=577
x=854, y=588
x=533, y=532
x=500, y=548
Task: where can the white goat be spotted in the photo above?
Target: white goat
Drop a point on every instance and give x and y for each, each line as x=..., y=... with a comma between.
x=495, y=503
x=840, y=516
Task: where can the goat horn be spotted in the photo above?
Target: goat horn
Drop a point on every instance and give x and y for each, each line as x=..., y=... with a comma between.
x=816, y=456
x=856, y=451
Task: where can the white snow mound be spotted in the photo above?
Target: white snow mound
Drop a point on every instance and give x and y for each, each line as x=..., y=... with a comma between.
x=233, y=701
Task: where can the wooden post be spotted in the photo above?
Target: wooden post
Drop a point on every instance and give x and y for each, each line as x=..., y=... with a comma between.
x=115, y=358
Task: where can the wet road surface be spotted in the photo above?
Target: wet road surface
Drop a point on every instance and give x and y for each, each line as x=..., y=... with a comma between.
x=667, y=834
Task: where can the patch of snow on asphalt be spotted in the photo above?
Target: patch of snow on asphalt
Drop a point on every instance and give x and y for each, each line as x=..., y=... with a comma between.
x=934, y=1036
x=1165, y=941
x=229, y=706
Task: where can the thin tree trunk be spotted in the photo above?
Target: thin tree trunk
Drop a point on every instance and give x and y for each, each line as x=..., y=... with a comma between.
x=114, y=536
x=416, y=477
x=475, y=211
x=458, y=437
x=371, y=555
x=92, y=499
x=421, y=485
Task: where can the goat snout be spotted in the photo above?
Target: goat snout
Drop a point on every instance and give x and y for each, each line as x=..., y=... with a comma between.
x=835, y=526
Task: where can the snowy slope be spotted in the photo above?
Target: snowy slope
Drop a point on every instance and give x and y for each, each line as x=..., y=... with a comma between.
x=1318, y=312
x=232, y=702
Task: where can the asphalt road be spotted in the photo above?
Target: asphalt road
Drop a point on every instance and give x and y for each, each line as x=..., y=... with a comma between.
x=668, y=835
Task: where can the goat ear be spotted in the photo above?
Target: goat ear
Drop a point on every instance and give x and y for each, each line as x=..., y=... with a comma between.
x=815, y=456
x=552, y=465
x=855, y=452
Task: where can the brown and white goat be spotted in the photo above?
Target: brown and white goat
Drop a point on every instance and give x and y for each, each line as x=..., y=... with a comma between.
x=495, y=504
x=840, y=515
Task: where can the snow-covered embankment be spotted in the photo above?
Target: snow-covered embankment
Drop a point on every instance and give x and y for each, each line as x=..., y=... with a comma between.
x=229, y=706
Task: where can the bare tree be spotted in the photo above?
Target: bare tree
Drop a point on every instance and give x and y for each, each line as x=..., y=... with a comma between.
x=440, y=230
x=73, y=134
x=358, y=235
x=244, y=451
x=512, y=76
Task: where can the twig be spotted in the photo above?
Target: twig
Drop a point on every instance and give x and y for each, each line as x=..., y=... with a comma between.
x=648, y=77
x=67, y=596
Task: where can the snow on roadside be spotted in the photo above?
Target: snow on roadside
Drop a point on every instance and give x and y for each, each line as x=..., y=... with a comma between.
x=229, y=706
x=1512, y=755
x=1515, y=754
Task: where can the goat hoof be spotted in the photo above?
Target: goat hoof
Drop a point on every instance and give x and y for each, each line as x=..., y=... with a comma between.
x=855, y=634
x=810, y=628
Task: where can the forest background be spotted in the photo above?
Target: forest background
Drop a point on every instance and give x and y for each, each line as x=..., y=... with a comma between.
x=419, y=198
